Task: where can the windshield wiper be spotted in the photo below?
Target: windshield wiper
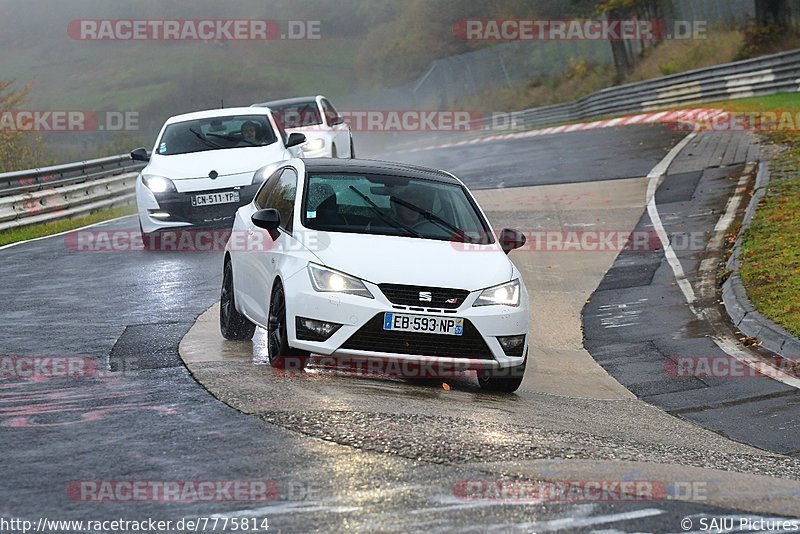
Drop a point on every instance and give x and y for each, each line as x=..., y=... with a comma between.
x=435, y=219
x=232, y=138
x=385, y=218
x=204, y=140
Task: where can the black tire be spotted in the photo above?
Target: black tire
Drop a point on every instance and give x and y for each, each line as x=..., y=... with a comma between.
x=281, y=355
x=232, y=324
x=506, y=380
x=352, y=149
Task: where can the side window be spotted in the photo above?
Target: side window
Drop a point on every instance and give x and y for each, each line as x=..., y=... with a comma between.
x=269, y=185
x=282, y=197
x=328, y=109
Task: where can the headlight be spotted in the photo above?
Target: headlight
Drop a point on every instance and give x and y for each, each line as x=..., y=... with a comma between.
x=158, y=184
x=328, y=280
x=503, y=295
x=314, y=144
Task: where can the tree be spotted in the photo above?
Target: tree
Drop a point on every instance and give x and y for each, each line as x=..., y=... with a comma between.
x=773, y=13
x=624, y=59
x=18, y=150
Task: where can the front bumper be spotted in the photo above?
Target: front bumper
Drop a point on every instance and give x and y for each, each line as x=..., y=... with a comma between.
x=361, y=335
x=181, y=212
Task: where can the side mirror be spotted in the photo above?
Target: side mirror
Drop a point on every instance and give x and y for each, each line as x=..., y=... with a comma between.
x=140, y=154
x=268, y=219
x=511, y=240
x=337, y=120
x=295, y=139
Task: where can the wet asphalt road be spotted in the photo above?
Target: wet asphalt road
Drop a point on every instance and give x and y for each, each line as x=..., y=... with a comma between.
x=638, y=318
x=588, y=156
x=129, y=310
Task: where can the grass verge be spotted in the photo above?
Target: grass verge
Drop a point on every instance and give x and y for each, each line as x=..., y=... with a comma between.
x=41, y=230
x=771, y=246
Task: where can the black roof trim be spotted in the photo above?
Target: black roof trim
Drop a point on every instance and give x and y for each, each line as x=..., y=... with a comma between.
x=287, y=101
x=370, y=166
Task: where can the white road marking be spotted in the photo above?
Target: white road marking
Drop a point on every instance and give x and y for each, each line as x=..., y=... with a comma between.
x=449, y=504
x=573, y=523
x=65, y=232
x=289, y=507
x=654, y=178
x=727, y=345
x=708, y=265
x=733, y=204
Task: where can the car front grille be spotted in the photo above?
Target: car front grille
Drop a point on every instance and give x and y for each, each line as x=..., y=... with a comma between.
x=427, y=297
x=372, y=337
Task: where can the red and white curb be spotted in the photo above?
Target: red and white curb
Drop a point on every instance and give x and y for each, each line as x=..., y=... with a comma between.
x=662, y=117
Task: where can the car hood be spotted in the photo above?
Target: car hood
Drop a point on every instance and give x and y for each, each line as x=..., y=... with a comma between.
x=225, y=162
x=411, y=261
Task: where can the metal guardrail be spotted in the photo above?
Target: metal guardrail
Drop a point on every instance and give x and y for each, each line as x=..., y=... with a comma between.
x=64, y=191
x=753, y=77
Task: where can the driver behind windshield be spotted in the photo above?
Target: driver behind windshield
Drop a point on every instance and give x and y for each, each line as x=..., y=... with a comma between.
x=415, y=196
x=248, y=132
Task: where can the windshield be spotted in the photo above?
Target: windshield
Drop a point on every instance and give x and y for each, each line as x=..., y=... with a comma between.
x=215, y=133
x=297, y=115
x=392, y=205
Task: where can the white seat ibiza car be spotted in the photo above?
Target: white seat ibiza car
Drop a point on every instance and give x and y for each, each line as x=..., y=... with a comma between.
x=327, y=133
x=369, y=259
x=202, y=167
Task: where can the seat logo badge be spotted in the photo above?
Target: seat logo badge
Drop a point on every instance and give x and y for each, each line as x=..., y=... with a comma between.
x=213, y=175
x=425, y=296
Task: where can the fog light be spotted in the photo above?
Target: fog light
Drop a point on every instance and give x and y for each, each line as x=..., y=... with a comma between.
x=512, y=345
x=312, y=330
x=160, y=215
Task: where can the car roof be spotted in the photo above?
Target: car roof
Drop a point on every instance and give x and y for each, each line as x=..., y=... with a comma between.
x=222, y=112
x=288, y=101
x=369, y=166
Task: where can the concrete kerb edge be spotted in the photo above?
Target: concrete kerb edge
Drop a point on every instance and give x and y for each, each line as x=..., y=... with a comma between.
x=741, y=311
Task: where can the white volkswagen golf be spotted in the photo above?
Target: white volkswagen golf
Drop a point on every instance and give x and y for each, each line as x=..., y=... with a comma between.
x=202, y=167
x=369, y=259
x=327, y=132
